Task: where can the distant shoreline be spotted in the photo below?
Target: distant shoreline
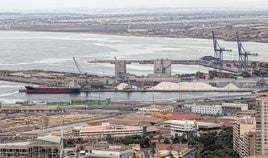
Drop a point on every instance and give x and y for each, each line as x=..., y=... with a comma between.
x=124, y=34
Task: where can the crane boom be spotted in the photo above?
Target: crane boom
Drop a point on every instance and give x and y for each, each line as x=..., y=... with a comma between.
x=77, y=66
x=80, y=71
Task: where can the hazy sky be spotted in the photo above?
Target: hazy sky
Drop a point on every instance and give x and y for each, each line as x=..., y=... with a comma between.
x=54, y=4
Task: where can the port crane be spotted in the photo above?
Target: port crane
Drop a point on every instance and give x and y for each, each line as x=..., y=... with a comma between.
x=80, y=71
x=243, y=55
x=218, y=50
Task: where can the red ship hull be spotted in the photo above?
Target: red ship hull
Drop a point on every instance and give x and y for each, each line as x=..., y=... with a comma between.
x=54, y=90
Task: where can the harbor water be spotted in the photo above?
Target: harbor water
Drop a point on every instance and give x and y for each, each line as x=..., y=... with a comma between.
x=54, y=51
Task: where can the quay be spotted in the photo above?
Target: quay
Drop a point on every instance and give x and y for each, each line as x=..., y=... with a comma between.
x=163, y=66
x=146, y=90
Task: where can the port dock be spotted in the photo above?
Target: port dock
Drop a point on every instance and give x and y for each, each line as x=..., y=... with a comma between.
x=163, y=66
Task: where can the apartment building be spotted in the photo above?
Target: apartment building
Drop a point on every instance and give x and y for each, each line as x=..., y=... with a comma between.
x=178, y=127
x=244, y=136
x=261, y=138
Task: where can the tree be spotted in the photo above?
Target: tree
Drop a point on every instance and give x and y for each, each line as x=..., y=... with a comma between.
x=166, y=141
x=213, y=144
x=109, y=139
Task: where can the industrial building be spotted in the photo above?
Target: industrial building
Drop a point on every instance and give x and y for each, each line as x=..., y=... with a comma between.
x=46, y=146
x=205, y=109
x=232, y=108
x=244, y=136
x=18, y=108
x=179, y=116
x=223, y=109
x=208, y=126
x=165, y=150
x=157, y=108
x=108, y=129
x=111, y=151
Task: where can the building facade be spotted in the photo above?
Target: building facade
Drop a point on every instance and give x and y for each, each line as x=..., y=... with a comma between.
x=244, y=136
x=205, y=109
x=179, y=127
x=110, y=152
x=223, y=109
x=47, y=146
x=108, y=129
x=261, y=138
x=232, y=108
x=157, y=108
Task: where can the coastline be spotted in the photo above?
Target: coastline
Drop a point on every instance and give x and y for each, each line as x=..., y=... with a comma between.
x=129, y=34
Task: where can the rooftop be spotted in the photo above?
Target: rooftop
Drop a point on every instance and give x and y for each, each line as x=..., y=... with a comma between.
x=106, y=127
x=176, y=147
x=180, y=122
x=157, y=107
x=51, y=138
x=208, y=125
x=179, y=116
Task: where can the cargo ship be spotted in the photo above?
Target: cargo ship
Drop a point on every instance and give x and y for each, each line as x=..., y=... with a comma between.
x=44, y=89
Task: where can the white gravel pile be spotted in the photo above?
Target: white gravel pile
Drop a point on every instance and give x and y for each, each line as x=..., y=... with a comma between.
x=196, y=86
x=230, y=86
x=183, y=86
x=166, y=86
x=122, y=86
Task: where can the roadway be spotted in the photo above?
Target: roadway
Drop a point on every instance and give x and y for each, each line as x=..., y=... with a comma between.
x=68, y=125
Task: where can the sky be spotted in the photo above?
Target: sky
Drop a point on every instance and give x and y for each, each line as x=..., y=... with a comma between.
x=91, y=4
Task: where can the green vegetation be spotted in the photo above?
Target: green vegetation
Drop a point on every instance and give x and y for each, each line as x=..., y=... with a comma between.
x=73, y=142
x=213, y=144
x=59, y=103
x=207, y=145
x=137, y=139
x=80, y=102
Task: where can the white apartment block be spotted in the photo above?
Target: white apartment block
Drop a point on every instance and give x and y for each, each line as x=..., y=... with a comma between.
x=182, y=126
x=206, y=109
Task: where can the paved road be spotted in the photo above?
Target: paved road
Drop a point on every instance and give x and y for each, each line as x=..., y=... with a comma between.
x=69, y=125
x=146, y=152
x=190, y=154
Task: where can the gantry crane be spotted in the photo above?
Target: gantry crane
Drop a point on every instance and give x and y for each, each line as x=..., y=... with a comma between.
x=243, y=55
x=218, y=51
x=80, y=71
